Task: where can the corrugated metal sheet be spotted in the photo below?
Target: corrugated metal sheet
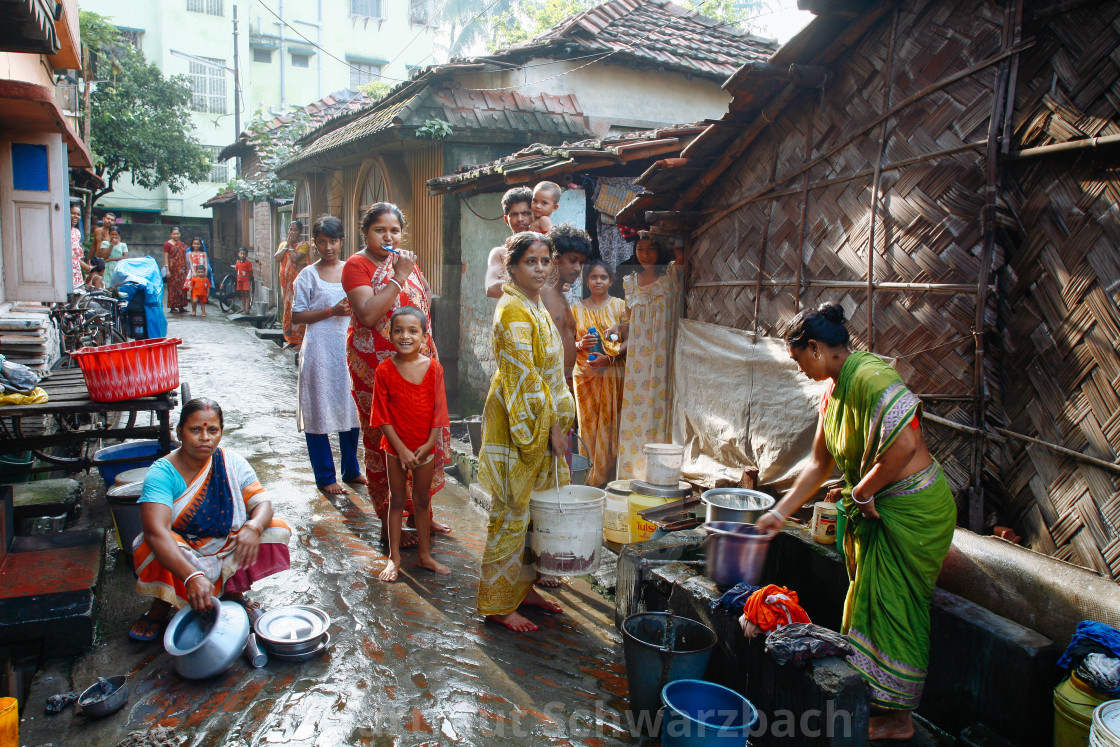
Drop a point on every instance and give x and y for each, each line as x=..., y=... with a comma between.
x=426, y=222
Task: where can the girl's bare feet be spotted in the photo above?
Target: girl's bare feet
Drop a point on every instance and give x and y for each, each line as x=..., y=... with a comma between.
x=334, y=489
x=893, y=725
x=515, y=622
x=549, y=582
x=534, y=599
x=359, y=480
x=434, y=565
x=436, y=527
x=390, y=572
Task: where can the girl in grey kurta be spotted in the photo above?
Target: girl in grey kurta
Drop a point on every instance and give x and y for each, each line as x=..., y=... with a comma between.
x=325, y=405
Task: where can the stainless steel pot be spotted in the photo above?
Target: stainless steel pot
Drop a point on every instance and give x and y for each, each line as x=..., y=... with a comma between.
x=96, y=703
x=204, y=646
x=293, y=629
x=735, y=504
x=734, y=552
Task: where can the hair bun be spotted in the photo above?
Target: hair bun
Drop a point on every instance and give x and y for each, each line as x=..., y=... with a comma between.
x=833, y=312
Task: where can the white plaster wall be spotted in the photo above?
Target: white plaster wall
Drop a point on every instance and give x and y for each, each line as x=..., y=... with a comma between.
x=476, y=314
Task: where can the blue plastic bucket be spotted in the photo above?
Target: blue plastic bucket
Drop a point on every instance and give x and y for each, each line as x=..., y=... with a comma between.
x=145, y=452
x=698, y=714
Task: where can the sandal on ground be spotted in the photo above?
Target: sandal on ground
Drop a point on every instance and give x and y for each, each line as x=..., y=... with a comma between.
x=154, y=626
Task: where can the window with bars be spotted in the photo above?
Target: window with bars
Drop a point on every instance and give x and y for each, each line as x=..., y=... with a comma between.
x=262, y=55
x=301, y=60
x=420, y=12
x=219, y=170
x=366, y=8
x=210, y=7
x=362, y=73
x=208, y=81
x=134, y=37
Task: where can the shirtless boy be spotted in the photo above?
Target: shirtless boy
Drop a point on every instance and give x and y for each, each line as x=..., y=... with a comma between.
x=517, y=206
x=546, y=198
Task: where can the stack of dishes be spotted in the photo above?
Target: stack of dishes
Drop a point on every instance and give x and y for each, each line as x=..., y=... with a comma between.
x=294, y=633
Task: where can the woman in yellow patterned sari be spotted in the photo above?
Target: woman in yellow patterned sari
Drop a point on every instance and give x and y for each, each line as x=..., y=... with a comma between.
x=598, y=376
x=527, y=414
x=896, y=520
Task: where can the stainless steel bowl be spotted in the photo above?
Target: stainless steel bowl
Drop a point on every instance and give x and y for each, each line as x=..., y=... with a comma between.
x=95, y=703
x=735, y=504
x=204, y=646
x=293, y=629
x=734, y=552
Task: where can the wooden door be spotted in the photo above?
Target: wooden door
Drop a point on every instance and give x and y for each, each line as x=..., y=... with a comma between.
x=36, y=240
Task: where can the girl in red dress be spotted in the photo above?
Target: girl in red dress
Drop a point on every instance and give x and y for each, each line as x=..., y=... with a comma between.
x=244, y=278
x=410, y=408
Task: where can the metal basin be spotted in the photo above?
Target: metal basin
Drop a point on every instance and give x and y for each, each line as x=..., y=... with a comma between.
x=734, y=552
x=202, y=647
x=292, y=630
x=95, y=703
x=735, y=504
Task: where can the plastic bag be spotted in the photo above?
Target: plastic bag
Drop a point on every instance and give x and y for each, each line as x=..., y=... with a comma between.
x=16, y=377
x=35, y=397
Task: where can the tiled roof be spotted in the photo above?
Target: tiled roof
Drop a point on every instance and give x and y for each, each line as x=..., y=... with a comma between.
x=462, y=109
x=662, y=33
x=540, y=161
x=220, y=199
x=318, y=112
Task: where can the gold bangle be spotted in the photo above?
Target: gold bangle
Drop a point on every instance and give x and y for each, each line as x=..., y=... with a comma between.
x=252, y=525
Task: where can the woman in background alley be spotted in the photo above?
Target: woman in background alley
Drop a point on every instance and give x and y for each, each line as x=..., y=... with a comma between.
x=896, y=520
x=208, y=525
x=113, y=250
x=292, y=256
x=599, y=375
x=524, y=424
x=378, y=280
x=325, y=405
x=651, y=297
x=175, y=261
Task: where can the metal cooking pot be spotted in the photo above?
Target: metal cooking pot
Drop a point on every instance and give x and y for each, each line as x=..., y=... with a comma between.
x=293, y=629
x=734, y=552
x=204, y=646
x=735, y=504
x=95, y=703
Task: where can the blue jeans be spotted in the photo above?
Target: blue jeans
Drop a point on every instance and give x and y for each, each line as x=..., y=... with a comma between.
x=322, y=460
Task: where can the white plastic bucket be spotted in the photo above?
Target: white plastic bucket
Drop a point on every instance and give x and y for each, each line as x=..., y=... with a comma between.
x=663, y=464
x=566, y=532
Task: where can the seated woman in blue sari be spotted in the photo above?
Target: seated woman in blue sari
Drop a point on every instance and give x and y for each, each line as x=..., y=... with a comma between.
x=208, y=526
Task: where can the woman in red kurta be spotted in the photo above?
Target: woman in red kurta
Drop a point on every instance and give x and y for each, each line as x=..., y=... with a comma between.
x=377, y=281
x=175, y=260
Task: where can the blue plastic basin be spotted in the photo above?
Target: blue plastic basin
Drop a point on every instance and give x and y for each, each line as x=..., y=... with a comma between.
x=699, y=714
x=146, y=452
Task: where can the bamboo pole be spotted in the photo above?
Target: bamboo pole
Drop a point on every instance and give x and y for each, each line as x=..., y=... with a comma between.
x=1073, y=145
x=804, y=210
x=876, y=183
x=762, y=252
x=953, y=288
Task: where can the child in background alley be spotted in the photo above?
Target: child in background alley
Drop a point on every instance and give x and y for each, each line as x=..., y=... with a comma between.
x=410, y=407
x=546, y=198
x=200, y=290
x=244, y=278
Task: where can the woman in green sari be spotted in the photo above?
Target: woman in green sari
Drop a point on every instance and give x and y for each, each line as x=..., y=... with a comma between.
x=897, y=516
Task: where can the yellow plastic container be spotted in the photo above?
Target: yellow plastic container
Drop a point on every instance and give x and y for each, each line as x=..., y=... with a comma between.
x=616, y=512
x=9, y=722
x=640, y=529
x=1074, y=701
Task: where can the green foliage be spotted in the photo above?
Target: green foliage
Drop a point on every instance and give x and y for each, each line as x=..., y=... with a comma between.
x=274, y=147
x=527, y=20
x=140, y=122
x=434, y=129
x=376, y=89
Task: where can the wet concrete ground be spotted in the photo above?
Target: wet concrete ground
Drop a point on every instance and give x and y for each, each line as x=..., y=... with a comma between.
x=409, y=663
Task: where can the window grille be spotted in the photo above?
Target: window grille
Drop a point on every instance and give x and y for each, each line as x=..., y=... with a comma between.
x=366, y=8
x=301, y=60
x=362, y=73
x=262, y=55
x=210, y=7
x=219, y=170
x=208, y=82
x=132, y=36
x=420, y=12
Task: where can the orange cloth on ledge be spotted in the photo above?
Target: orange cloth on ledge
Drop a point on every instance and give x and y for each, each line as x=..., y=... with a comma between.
x=767, y=608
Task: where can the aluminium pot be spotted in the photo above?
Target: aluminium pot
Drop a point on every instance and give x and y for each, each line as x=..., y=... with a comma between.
x=735, y=504
x=293, y=629
x=734, y=552
x=203, y=646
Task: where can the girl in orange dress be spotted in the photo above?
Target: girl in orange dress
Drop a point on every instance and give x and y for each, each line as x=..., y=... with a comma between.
x=377, y=280
x=410, y=408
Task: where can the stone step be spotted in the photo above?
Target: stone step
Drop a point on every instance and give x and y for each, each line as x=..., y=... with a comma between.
x=48, y=589
x=44, y=505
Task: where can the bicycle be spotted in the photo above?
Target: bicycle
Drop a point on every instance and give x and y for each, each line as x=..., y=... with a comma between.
x=228, y=297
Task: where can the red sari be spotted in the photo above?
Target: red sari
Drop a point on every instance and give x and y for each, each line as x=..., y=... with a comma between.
x=176, y=253
x=365, y=350
x=290, y=268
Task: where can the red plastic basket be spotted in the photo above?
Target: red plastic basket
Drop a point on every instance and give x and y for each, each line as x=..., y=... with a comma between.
x=129, y=370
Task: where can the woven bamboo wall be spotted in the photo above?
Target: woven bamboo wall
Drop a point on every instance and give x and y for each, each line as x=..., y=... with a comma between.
x=928, y=228
x=1052, y=370
x=1063, y=286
